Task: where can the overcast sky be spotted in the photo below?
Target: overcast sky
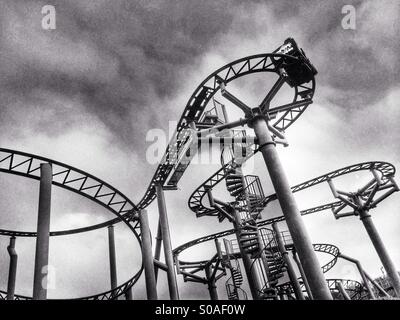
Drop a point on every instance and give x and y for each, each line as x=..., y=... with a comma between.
x=88, y=92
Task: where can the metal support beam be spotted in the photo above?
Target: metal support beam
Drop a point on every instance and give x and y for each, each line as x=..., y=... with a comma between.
x=157, y=251
x=380, y=289
x=290, y=269
x=303, y=277
x=264, y=106
x=342, y=290
x=297, y=228
x=212, y=287
x=113, y=264
x=147, y=256
x=169, y=259
x=160, y=265
x=362, y=274
x=43, y=233
x=376, y=240
x=128, y=294
x=12, y=272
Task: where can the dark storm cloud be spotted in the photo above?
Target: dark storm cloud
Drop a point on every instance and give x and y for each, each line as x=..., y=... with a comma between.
x=118, y=57
x=360, y=64
x=121, y=58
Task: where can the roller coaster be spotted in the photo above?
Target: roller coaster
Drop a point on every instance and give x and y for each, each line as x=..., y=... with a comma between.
x=253, y=257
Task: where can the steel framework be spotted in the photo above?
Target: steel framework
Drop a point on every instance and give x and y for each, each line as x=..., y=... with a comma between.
x=260, y=254
x=75, y=180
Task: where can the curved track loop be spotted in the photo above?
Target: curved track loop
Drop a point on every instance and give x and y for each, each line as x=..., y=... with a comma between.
x=355, y=288
x=386, y=169
x=206, y=90
x=325, y=248
x=318, y=247
x=107, y=295
x=75, y=180
x=100, y=191
x=72, y=179
x=195, y=201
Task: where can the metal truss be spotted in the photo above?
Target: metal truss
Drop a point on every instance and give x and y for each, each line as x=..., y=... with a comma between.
x=90, y=187
x=107, y=295
x=191, y=269
x=196, y=198
x=355, y=288
x=208, y=88
x=75, y=180
x=386, y=169
x=323, y=248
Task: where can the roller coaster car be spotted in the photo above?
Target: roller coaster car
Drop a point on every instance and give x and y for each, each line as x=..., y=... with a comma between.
x=297, y=71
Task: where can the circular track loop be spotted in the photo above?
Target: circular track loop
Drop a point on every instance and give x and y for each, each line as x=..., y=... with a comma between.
x=196, y=204
x=75, y=180
x=72, y=179
x=209, y=87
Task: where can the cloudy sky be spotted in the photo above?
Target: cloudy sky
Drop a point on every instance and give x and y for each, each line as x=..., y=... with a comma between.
x=88, y=92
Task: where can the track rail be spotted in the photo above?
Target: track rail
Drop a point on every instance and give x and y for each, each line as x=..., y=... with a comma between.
x=107, y=295
x=84, y=184
x=355, y=288
x=196, y=205
x=385, y=168
x=75, y=180
x=318, y=247
x=208, y=88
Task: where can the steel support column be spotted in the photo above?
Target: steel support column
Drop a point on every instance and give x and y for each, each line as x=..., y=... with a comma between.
x=296, y=226
x=166, y=238
x=303, y=277
x=147, y=256
x=43, y=234
x=254, y=284
x=362, y=274
x=377, y=286
x=12, y=272
x=113, y=264
x=290, y=269
x=212, y=287
x=128, y=294
x=381, y=250
x=343, y=291
x=157, y=251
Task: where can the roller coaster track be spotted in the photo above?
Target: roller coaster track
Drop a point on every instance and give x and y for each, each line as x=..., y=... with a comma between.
x=355, y=288
x=84, y=184
x=107, y=295
x=75, y=180
x=196, y=205
x=208, y=88
x=386, y=170
x=322, y=248
x=193, y=111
